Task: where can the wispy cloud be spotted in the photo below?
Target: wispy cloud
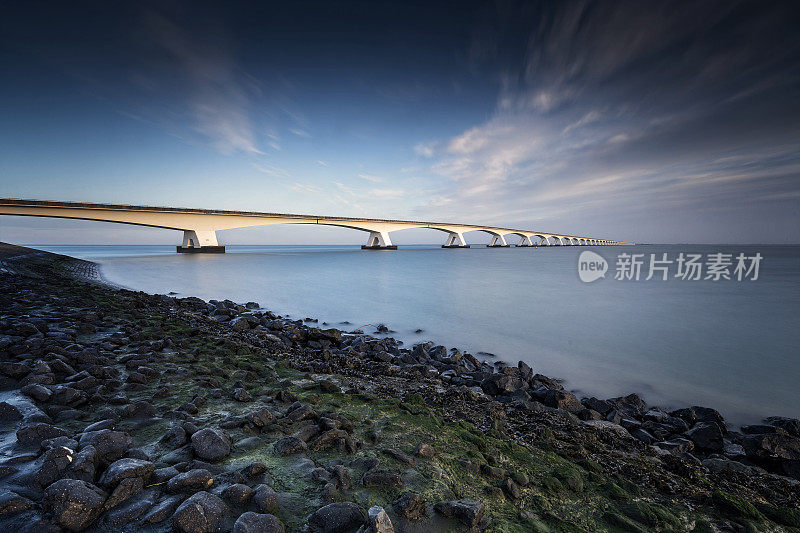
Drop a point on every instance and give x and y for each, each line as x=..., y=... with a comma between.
x=372, y=178
x=299, y=132
x=322, y=163
x=305, y=189
x=386, y=194
x=272, y=170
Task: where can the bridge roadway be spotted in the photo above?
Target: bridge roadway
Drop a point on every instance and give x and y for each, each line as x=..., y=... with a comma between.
x=199, y=226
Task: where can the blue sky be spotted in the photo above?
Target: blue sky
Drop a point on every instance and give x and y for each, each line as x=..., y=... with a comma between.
x=665, y=122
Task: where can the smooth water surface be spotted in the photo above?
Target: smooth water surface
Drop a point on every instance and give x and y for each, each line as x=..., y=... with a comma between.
x=732, y=345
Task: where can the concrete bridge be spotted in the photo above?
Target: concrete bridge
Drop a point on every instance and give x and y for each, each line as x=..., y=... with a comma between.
x=199, y=226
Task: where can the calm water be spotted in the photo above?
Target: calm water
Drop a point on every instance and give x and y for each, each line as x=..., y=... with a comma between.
x=730, y=345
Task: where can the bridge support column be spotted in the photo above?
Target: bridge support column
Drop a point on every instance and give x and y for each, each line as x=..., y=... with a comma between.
x=379, y=240
x=200, y=242
x=498, y=241
x=455, y=240
x=525, y=241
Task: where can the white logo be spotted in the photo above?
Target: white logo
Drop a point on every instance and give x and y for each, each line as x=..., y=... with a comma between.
x=591, y=266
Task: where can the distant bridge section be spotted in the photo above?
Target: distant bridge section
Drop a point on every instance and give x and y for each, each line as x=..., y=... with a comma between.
x=199, y=226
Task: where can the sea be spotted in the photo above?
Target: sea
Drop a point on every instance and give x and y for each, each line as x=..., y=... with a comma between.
x=714, y=325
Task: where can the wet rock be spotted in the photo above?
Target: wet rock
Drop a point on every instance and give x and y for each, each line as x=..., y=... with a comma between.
x=241, y=395
x=138, y=410
x=500, y=383
x=382, y=479
x=772, y=447
x=251, y=522
x=54, y=462
x=424, y=450
x=110, y=445
x=202, y=512
x=175, y=437
x=237, y=494
x=339, y=517
x=211, y=444
x=289, y=445
x=410, y=505
x=790, y=425
x=191, y=481
x=468, y=512
x=399, y=456
x=161, y=510
x=9, y=413
x=124, y=469
x=160, y=475
x=677, y=445
x=116, y=518
x=260, y=418
x=126, y=488
x=265, y=499
x=73, y=503
x=377, y=521
x=558, y=399
x=37, y=392
x=34, y=434
x=706, y=436
x=12, y=503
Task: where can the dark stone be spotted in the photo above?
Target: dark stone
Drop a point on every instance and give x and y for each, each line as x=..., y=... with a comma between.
x=511, y=489
x=399, y=456
x=424, y=450
x=251, y=522
x=501, y=383
x=382, y=478
x=9, y=412
x=265, y=499
x=706, y=436
x=175, y=437
x=12, y=503
x=126, y=488
x=34, y=434
x=468, y=512
x=241, y=395
x=260, y=418
x=790, y=425
x=339, y=517
x=601, y=406
x=238, y=493
x=202, y=512
x=289, y=445
x=191, y=481
x=410, y=505
x=558, y=399
x=73, y=503
x=110, y=445
x=40, y=393
x=772, y=447
x=124, y=469
x=162, y=510
x=211, y=444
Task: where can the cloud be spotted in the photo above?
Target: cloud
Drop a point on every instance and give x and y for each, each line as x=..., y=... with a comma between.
x=272, y=170
x=218, y=98
x=322, y=163
x=386, y=194
x=299, y=132
x=305, y=189
x=372, y=178
x=425, y=149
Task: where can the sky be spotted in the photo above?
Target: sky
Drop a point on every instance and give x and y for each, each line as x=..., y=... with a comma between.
x=636, y=121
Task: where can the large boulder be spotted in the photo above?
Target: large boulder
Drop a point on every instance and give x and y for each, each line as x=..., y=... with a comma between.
x=501, y=383
x=109, y=445
x=34, y=434
x=339, y=517
x=251, y=522
x=468, y=512
x=211, y=444
x=706, y=436
x=192, y=481
x=124, y=469
x=73, y=503
x=790, y=425
x=378, y=521
x=558, y=399
x=410, y=505
x=202, y=512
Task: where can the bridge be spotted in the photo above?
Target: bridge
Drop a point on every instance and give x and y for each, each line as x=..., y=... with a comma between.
x=199, y=226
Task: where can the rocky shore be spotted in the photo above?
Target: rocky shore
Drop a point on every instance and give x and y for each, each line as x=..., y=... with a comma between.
x=125, y=411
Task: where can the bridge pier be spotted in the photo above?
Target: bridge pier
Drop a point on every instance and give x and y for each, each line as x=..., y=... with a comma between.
x=498, y=241
x=379, y=240
x=455, y=240
x=525, y=242
x=200, y=242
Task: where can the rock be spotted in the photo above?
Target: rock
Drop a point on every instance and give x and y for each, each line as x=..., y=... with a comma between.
x=124, y=469
x=332, y=335
x=410, y=505
x=54, y=462
x=73, y=503
x=289, y=445
x=191, y=481
x=726, y=465
x=339, y=517
x=378, y=521
x=706, y=436
x=34, y=434
x=175, y=437
x=9, y=413
x=790, y=425
x=424, y=450
x=511, y=489
x=124, y=490
x=399, y=456
x=211, y=444
x=558, y=399
x=40, y=393
x=605, y=425
x=382, y=479
x=500, y=383
x=12, y=503
x=676, y=445
x=260, y=418
x=202, y=512
x=329, y=439
x=237, y=494
x=241, y=395
x=468, y=512
x=772, y=447
x=240, y=323
x=265, y=498
x=160, y=475
x=251, y=522
x=161, y=511
x=110, y=445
